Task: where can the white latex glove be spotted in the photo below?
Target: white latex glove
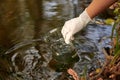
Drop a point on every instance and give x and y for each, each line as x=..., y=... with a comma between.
x=74, y=25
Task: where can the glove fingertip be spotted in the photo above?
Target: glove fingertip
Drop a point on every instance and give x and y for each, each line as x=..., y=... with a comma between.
x=67, y=42
x=68, y=38
x=72, y=38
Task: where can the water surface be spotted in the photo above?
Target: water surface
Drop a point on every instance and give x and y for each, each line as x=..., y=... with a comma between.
x=31, y=45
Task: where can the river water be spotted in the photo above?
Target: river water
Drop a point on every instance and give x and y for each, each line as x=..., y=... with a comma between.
x=31, y=45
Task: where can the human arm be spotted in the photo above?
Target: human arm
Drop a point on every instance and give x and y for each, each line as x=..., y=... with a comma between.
x=97, y=6
x=76, y=24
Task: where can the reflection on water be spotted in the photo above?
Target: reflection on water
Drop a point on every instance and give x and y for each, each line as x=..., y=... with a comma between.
x=30, y=47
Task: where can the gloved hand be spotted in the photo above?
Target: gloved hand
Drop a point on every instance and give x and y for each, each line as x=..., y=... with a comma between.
x=74, y=25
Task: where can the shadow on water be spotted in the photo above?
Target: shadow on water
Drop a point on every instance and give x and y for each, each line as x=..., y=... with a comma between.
x=32, y=47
